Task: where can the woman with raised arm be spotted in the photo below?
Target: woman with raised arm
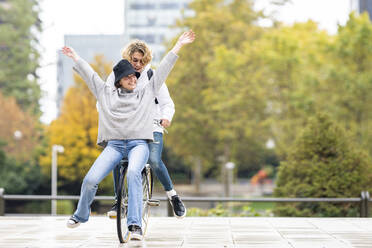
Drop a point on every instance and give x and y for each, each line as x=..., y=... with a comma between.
x=124, y=129
x=138, y=54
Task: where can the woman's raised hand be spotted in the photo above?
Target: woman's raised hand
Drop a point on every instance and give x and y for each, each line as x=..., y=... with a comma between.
x=186, y=38
x=70, y=52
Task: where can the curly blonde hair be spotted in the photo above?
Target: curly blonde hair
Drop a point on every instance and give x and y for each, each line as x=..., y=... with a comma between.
x=137, y=46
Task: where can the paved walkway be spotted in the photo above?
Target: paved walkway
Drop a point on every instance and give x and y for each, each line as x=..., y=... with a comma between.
x=191, y=232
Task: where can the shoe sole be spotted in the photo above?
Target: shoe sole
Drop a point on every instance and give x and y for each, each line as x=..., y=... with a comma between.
x=136, y=237
x=182, y=216
x=129, y=236
x=73, y=225
x=174, y=213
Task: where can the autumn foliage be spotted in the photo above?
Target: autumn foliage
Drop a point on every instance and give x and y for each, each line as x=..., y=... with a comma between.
x=18, y=129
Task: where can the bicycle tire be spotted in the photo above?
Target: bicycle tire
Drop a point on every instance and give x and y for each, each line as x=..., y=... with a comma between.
x=122, y=194
x=122, y=209
x=147, y=183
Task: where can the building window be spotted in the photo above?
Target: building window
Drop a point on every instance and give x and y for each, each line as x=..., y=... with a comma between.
x=139, y=6
x=169, y=6
x=137, y=25
x=148, y=38
x=151, y=21
x=60, y=90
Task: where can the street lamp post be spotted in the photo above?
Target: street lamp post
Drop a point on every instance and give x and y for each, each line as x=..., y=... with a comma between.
x=229, y=166
x=55, y=149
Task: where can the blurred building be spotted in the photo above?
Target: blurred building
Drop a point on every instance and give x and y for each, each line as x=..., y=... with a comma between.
x=87, y=46
x=150, y=21
x=366, y=5
x=146, y=20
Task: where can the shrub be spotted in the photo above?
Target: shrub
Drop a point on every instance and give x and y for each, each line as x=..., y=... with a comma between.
x=221, y=211
x=323, y=162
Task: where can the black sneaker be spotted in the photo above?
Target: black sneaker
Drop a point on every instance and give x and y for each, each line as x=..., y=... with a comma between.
x=112, y=213
x=178, y=208
x=134, y=233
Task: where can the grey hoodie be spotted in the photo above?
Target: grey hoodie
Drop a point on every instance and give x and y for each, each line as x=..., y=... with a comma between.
x=125, y=115
x=164, y=110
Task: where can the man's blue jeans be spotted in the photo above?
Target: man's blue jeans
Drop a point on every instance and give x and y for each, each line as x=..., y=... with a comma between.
x=157, y=165
x=137, y=152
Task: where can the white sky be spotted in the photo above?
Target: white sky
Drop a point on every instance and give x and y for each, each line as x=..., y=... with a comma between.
x=107, y=17
x=71, y=17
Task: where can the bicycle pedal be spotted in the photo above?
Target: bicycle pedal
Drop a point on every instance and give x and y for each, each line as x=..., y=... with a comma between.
x=153, y=203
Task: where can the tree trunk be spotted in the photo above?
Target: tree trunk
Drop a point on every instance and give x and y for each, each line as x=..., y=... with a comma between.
x=197, y=174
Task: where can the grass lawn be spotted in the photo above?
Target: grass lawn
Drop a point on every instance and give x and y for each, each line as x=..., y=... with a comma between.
x=259, y=206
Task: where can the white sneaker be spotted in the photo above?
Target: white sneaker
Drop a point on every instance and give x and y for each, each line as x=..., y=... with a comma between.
x=72, y=223
x=112, y=213
x=135, y=233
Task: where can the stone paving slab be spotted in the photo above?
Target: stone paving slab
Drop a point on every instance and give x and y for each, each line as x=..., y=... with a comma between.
x=164, y=232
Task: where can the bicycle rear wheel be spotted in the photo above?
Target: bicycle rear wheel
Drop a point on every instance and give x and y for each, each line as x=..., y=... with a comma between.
x=122, y=208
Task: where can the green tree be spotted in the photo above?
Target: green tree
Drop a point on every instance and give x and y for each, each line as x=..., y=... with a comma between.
x=205, y=134
x=277, y=78
x=20, y=177
x=237, y=105
x=323, y=162
x=290, y=62
x=19, y=56
x=349, y=78
x=240, y=84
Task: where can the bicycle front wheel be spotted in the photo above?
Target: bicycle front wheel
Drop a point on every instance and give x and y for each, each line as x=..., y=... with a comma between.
x=147, y=183
x=122, y=208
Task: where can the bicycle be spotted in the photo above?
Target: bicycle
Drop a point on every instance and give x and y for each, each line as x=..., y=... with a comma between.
x=122, y=199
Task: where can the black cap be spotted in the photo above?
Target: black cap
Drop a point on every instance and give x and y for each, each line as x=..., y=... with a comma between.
x=124, y=69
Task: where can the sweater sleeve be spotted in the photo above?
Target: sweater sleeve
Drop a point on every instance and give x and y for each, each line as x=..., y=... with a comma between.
x=166, y=103
x=162, y=72
x=91, y=78
x=111, y=80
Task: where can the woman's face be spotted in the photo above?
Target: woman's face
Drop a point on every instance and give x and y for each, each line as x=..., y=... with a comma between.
x=137, y=61
x=129, y=82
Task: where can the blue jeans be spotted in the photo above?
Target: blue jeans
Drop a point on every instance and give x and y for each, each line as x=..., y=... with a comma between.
x=137, y=152
x=157, y=165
